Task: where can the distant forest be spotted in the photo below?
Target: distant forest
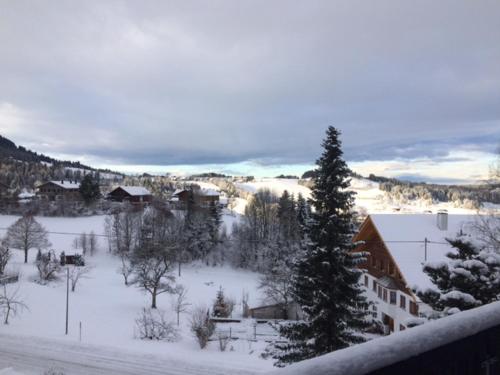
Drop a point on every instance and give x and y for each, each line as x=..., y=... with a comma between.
x=22, y=168
x=468, y=196
x=465, y=195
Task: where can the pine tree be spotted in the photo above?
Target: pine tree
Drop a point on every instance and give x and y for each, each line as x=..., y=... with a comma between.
x=220, y=308
x=325, y=283
x=471, y=278
x=89, y=189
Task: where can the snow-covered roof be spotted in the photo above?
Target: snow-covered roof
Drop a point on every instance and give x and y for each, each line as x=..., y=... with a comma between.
x=404, y=236
x=385, y=351
x=67, y=184
x=178, y=191
x=25, y=195
x=209, y=192
x=136, y=190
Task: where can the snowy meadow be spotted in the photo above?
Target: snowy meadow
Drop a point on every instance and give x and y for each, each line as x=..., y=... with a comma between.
x=107, y=309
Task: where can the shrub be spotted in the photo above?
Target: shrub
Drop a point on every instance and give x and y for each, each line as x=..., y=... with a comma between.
x=152, y=325
x=201, y=326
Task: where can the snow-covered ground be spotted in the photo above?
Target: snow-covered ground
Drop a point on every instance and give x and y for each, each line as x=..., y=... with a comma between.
x=107, y=308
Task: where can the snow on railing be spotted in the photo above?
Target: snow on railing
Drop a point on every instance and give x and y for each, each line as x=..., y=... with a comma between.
x=382, y=352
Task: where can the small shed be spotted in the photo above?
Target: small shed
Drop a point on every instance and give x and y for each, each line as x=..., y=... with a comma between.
x=276, y=312
x=132, y=194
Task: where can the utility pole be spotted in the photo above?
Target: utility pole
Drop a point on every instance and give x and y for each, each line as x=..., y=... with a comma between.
x=425, y=247
x=67, y=298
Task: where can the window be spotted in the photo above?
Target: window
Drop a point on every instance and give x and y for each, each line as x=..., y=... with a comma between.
x=374, y=286
x=393, y=298
x=413, y=308
x=382, y=265
x=366, y=280
x=391, y=268
x=385, y=295
x=379, y=292
x=402, y=302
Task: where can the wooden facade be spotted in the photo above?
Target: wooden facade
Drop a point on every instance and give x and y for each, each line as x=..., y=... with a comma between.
x=200, y=197
x=63, y=190
x=120, y=194
x=384, y=281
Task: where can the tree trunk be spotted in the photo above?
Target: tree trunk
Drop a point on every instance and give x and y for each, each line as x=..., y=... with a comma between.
x=153, y=299
x=25, y=255
x=7, y=315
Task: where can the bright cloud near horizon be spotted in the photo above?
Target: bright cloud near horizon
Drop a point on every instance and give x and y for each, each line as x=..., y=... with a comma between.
x=249, y=87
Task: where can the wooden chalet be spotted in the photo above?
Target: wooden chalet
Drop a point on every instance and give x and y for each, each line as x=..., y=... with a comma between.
x=59, y=190
x=132, y=194
x=397, y=246
x=202, y=197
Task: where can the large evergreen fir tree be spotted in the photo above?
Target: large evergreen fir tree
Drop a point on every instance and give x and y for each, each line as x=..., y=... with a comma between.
x=326, y=279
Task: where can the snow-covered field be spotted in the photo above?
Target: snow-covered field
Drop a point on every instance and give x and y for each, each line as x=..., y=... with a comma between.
x=107, y=308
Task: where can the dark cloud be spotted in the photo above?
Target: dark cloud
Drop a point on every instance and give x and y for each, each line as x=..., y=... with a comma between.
x=224, y=82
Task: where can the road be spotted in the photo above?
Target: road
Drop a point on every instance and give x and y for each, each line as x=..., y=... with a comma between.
x=34, y=356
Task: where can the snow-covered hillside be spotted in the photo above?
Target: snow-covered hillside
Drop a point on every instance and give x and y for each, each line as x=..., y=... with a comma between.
x=107, y=309
x=369, y=198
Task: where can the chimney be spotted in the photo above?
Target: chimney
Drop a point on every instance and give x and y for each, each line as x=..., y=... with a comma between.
x=442, y=220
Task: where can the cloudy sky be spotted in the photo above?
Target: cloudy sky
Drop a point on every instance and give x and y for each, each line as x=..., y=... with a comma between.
x=250, y=86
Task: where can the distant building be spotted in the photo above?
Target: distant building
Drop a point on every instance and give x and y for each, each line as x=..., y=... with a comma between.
x=59, y=190
x=132, y=194
x=398, y=245
x=202, y=197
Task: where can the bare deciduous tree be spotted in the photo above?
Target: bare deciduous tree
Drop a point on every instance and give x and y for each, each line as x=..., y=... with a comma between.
x=84, y=243
x=277, y=285
x=5, y=255
x=11, y=303
x=26, y=233
x=179, y=303
x=92, y=243
x=77, y=273
x=126, y=269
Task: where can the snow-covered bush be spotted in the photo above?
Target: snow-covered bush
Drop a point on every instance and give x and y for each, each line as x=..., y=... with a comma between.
x=47, y=265
x=152, y=325
x=201, y=325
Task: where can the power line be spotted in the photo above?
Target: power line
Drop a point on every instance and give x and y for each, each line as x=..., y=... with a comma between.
x=256, y=241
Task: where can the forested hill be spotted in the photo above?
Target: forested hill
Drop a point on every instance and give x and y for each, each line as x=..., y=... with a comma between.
x=8, y=149
x=21, y=168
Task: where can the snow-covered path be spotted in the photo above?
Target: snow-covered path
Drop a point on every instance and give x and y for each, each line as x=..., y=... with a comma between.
x=31, y=356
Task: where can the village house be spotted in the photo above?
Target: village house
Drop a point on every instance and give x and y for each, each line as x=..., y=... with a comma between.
x=397, y=246
x=202, y=197
x=59, y=190
x=132, y=194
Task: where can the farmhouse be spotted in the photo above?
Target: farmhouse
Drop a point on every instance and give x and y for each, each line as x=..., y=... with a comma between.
x=398, y=246
x=132, y=194
x=202, y=197
x=59, y=190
